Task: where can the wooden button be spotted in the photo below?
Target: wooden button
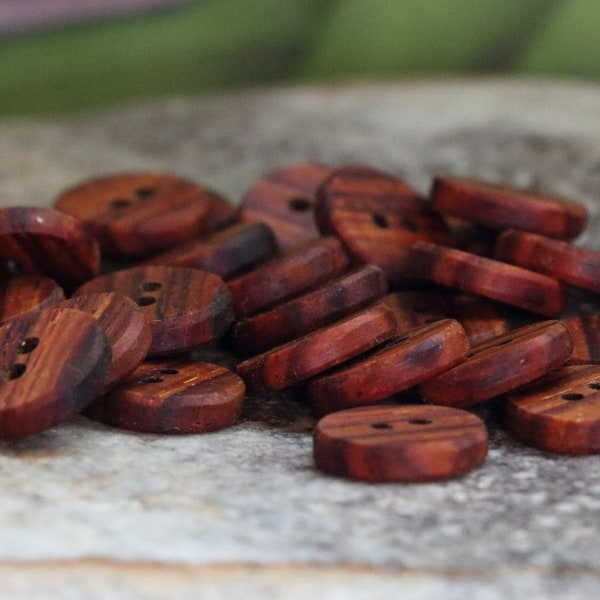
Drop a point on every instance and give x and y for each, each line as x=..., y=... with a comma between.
x=501, y=365
x=124, y=325
x=298, y=270
x=315, y=352
x=43, y=241
x=560, y=412
x=284, y=199
x=25, y=292
x=585, y=333
x=504, y=207
x=557, y=258
x=172, y=397
x=332, y=301
x=377, y=217
x=408, y=444
x=480, y=319
x=52, y=363
x=135, y=214
x=405, y=361
x=224, y=252
x=489, y=278
x=184, y=307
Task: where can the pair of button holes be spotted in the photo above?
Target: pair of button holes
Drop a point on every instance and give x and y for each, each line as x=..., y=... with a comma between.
x=156, y=377
x=26, y=346
x=575, y=396
x=139, y=194
x=148, y=286
x=411, y=421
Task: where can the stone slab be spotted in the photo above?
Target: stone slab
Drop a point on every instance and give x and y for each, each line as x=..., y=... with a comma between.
x=242, y=512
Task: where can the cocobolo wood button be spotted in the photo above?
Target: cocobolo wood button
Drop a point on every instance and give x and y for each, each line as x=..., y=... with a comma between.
x=43, y=241
x=135, y=214
x=503, y=207
x=172, y=397
x=184, y=307
x=489, y=278
x=585, y=333
x=481, y=320
x=315, y=352
x=223, y=252
x=408, y=444
x=52, y=363
x=124, y=325
x=332, y=301
x=501, y=365
x=560, y=412
x=377, y=217
x=284, y=199
x=557, y=258
x=24, y=292
x=404, y=361
x=281, y=278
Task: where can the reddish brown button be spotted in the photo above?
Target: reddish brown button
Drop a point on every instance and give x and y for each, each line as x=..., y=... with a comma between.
x=135, y=214
x=501, y=365
x=124, y=325
x=184, y=307
x=315, y=352
x=480, y=319
x=557, y=258
x=503, y=207
x=43, y=241
x=298, y=270
x=52, y=363
x=489, y=278
x=377, y=217
x=399, y=443
x=403, y=362
x=284, y=199
x=25, y=292
x=223, y=252
x=332, y=301
x=560, y=412
x=585, y=333
x=173, y=397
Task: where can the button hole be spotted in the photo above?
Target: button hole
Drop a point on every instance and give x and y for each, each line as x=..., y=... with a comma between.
x=151, y=379
x=120, y=203
x=145, y=300
x=420, y=421
x=151, y=286
x=13, y=267
x=381, y=426
x=572, y=397
x=28, y=345
x=300, y=204
x=409, y=224
x=167, y=371
x=15, y=371
x=143, y=192
x=380, y=220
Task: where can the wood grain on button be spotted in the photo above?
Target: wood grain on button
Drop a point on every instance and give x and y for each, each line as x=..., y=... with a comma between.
x=25, y=292
x=172, y=397
x=184, y=307
x=411, y=443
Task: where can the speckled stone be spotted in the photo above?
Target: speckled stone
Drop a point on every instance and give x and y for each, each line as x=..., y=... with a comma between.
x=243, y=512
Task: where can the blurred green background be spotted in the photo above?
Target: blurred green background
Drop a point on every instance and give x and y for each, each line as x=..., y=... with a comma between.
x=216, y=44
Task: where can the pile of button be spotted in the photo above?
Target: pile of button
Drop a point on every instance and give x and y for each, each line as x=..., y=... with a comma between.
x=343, y=282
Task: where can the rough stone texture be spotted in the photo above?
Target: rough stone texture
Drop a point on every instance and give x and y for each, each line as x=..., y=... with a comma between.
x=90, y=511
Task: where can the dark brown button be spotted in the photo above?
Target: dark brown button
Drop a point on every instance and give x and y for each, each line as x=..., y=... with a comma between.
x=315, y=352
x=43, y=241
x=403, y=362
x=52, y=363
x=480, y=319
x=377, y=217
x=501, y=365
x=332, y=301
x=135, y=214
x=585, y=333
x=560, y=412
x=184, y=307
x=284, y=199
x=124, y=325
x=399, y=443
x=489, y=278
x=556, y=258
x=172, y=397
x=25, y=292
x=298, y=270
x=503, y=207
x=223, y=252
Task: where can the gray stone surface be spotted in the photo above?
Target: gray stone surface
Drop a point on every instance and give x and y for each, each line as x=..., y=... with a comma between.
x=92, y=512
